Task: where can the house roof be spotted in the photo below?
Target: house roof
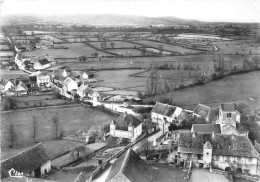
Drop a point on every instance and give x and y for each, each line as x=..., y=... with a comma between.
x=229, y=128
x=68, y=80
x=44, y=61
x=132, y=167
x=232, y=145
x=202, y=110
x=25, y=161
x=164, y=109
x=33, y=78
x=21, y=86
x=82, y=177
x=206, y=128
x=124, y=120
x=241, y=128
x=228, y=106
x=207, y=145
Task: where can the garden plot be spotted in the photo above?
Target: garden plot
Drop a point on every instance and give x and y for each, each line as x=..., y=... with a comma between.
x=126, y=52
x=74, y=51
x=71, y=118
x=168, y=47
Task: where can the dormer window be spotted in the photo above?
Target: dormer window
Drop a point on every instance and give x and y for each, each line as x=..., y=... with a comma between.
x=229, y=115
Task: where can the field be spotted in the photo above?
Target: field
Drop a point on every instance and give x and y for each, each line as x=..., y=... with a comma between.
x=75, y=39
x=74, y=50
x=4, y=47
x=11, y=74
x=6, y=53
x=50, y=38
x=71, y=118
x=235, y=47
x=117, y=44
x=236, y=87
x=126, y=52
x=167, y=47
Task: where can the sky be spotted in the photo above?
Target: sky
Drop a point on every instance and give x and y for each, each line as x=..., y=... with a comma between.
x=204, y=10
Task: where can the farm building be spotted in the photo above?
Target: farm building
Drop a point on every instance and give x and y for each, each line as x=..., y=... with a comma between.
x=69, y=84
x=126, y=126
x=166, y=113
x=41, y=64
x=202, y=111
x=31, y=162
x=225, y=152
x=130, y=168
x=6, y=85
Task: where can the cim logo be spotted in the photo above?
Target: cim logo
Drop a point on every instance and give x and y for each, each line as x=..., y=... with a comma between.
x=13, y=173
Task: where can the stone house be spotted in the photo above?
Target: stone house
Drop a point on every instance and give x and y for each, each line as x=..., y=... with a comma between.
x=31, y=162
x=43, y=80
x=221, y=151
x=165, y=113
x=126, y=126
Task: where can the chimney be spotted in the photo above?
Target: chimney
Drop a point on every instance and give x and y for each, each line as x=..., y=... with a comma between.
x=193, y=134
x=213, y=134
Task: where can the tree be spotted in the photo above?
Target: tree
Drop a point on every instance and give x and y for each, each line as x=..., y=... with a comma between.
x=34, y=128
x=55, y=121
x=82, y=58
x=112, y=44
x=12, y=135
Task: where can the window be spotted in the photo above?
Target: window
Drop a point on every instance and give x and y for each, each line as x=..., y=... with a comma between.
x=199, y=156
x=229, y=115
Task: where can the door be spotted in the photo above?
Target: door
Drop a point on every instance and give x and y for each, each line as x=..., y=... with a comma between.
x=37, y=172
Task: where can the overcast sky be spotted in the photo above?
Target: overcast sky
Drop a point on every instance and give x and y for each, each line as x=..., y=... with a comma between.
x=205, y=10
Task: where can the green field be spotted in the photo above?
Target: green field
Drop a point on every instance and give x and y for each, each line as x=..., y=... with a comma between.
x=126, y=52
x=231, y=88
x=74, y=50
x=117, y=44
x=71, y=118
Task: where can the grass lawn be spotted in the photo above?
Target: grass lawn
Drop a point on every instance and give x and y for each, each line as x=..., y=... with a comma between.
x=71, y=119
x=74, y=50
x=231, y=88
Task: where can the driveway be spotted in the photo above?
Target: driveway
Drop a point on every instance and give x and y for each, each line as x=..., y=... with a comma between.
x=203, y=175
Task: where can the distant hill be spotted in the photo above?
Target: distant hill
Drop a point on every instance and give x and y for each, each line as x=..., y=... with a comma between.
x=97, y=20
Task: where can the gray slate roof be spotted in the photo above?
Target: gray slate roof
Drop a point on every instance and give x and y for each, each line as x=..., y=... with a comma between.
x=226, y=145
x=164, y=109
x=132, y=167
x=206, y=128
x=25, y=161
x=124, y=120
x=228, y=107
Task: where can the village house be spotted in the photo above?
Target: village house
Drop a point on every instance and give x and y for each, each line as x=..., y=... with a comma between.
x=6, y=85
x=43, y=80
x=202, y=111
x=219, y=151
x=129, y=167
x=32, y=162
x=42, y=62
x=166, y=113
x=126, y=126
x=69, y=85
x=59, y=75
